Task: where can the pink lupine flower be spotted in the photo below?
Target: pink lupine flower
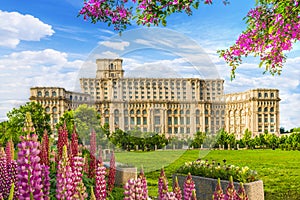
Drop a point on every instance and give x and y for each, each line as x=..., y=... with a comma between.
x=241, y=194
x=188, y=187
x=45, y=150
x=144, y=184
x=45, y=173
x=79, y=188
x=64, y=178
x=218, y=194
x=112, y=172
x=100, y=186
x=230, y=191
x=177, y=189
x=162, y=184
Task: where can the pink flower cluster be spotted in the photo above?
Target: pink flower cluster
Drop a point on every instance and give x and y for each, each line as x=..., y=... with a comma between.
x=272, y=28
x=119, y=13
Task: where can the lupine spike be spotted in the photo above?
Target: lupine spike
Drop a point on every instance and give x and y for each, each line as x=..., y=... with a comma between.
x=144, y=184
x=177, y=190
x=230, y=191
x=64, y=185
x=4, y=178
x=162, y=184
x=194, y=196
x=44, y=154
x=241, y=194
x=100, y=186
x=62, y=141
x=8, y=152
x=80, y=190
x=112, y=172
x=188, y=187
x=29, y=169
x=46, y=180
x=93, y=147
x=218, y=194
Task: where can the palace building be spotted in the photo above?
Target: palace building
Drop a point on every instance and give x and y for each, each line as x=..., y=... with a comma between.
x=174, y=106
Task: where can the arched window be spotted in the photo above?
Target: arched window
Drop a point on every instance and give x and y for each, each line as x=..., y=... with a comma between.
x=169, y=112
x=46, y=94
x=125, y=112
x=272, y=109
x=106, y=112
x=181, y=112
x=187, y=112
x=131, y=111
x=272, y=95
x=54, y=109
x=138, y=112
x=53, y=94
x=116, y=112
x=47, y=109
x=259, y=95
x=259, y=109
x=266, y=109
x=175, y=112
x=39, y=93
x=144, y=112
x=197, y=112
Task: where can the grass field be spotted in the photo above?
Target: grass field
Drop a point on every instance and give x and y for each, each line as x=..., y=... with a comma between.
x=279, y=170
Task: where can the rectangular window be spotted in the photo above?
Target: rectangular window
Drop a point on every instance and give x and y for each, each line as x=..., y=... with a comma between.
x=157, y=120
x=138, y=120
x=145, y=120
x=126, y=121
x=175, y=120
x=169, y=120
x=131, y=120
x=187, y=120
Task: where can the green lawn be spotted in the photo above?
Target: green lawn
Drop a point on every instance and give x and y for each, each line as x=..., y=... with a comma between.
x=279, y=170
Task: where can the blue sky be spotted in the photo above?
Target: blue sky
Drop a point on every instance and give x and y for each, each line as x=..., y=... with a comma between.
x=44, y=43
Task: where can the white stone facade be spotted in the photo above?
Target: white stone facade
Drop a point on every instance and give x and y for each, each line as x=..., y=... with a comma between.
x=174, y=106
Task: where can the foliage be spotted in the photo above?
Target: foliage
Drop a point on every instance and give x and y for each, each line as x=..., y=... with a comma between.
x=198, y=140
x=13, y=128
x=68, y=119
x=133, y=140
x=216, y=170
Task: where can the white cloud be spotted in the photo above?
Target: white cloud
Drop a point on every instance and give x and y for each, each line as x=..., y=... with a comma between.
x=26, y=69
x=15, y=27
x=115, y=45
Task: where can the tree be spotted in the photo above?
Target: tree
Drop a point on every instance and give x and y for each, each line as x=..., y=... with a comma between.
x=198, y=139
x=272, y=27
x=68, y=118
x=16, y=119
x=86, y=119
x=247, y=138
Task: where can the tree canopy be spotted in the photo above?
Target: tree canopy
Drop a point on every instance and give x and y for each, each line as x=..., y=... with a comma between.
x=13, y=128
x=272, y=26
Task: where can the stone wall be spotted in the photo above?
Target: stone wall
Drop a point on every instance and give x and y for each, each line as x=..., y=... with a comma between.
x=205, y=187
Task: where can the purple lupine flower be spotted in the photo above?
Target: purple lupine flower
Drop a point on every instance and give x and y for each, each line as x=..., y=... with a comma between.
x=100, y=187
x=218, y=194
x=46, y=180
x=144, y=184
x=230, y=191
x=112, y=172
x=162, y=184
x=12, y=171
x=4, y=190
x=29, y=169
x=80, y=189
x=188, y=187
x=64, y=178
x=177, y=189
x=241, y=193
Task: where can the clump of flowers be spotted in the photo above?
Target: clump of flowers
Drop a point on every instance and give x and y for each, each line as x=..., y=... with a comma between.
x=135, y=189
x=216, y=170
